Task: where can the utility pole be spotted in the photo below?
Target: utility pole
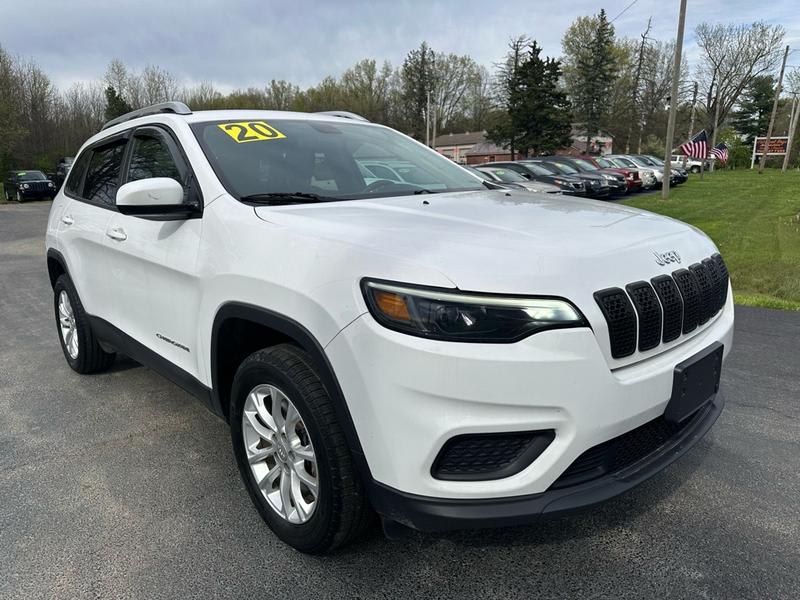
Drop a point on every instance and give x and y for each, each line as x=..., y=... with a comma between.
x=691, y=121
x=774, y=110
x=792, y=129
x=716, y=124
x=428, y=119
x=673, y=105
x=636, y=87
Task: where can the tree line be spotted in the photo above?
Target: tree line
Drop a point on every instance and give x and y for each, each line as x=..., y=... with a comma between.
x=527, y=102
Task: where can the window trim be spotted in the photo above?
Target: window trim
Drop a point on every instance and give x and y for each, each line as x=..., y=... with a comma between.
x=99, y=144
x=127, y=135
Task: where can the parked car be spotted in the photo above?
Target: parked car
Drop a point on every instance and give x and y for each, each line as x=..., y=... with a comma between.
x=596, y=185
x=566, y=183
x=692, y=164
x=444, y=357
x=25, y=185
x=677, y=175
x=616, y=181
x=633, y=177
x=512, y=179
x=646, y=174
x=62, y=170
x=633, y=161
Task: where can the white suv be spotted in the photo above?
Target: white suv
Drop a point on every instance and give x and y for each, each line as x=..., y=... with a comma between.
x=442, y=353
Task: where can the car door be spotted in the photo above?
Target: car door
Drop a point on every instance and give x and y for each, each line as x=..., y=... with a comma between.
x=153, y=260
x=90, y=194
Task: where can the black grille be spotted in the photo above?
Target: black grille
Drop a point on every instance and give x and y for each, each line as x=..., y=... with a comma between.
x=672, y=304
x=690, y=292
x=623, y=451
x=722, y=269
x=706, y=291
x=39, y=186
x=489, y=455
x=617, y=309
x=648, y=309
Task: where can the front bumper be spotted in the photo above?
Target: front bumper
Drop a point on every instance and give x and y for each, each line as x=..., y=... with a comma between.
x=436, y=514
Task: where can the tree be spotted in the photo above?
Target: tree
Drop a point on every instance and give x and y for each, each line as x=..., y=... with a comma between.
x=538, y=118
x=502, y=129
x=116, y=105
x=590, y=69
x=417, y=82
x=731, y=57
x=755, y=107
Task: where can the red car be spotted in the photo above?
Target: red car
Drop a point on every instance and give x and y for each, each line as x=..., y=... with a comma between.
x=632, y=178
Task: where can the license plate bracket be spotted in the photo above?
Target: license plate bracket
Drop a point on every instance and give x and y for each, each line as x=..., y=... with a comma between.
x=695, y=382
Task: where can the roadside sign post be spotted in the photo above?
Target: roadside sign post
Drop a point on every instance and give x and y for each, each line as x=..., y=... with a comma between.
x=778, y=146
x=673, y=104
x=774, y=110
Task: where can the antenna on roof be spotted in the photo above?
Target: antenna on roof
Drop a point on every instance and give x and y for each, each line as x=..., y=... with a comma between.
x=176, y=108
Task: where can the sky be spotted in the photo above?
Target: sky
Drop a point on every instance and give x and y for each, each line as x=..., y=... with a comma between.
x=241, y=43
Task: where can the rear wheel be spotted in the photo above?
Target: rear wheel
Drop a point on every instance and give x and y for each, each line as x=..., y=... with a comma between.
x=292, y=453
x=81, y=348
x=695, y=169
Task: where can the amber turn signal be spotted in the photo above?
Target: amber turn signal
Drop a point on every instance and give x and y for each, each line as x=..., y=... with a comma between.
x=392, y=305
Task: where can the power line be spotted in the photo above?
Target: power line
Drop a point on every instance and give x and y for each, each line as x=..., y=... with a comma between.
x=624, y=10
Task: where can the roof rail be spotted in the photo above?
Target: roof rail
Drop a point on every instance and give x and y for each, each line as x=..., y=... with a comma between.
x=177, y=108
x=343, y=114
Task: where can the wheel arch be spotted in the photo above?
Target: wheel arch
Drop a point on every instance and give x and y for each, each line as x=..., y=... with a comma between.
x=56, y=266
x=240, y=329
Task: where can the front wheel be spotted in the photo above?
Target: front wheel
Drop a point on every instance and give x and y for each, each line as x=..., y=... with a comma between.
x=292, y=452
x=19, y=197
x=81, y=348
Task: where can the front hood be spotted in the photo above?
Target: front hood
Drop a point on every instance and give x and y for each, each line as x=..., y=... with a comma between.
x=504, y=241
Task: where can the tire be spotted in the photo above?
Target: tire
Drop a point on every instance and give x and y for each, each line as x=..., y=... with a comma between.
x=81, y=349
x=340, y=509
x=695, y=169
x=19, y=197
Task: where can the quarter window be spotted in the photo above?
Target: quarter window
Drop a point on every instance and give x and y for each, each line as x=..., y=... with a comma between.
x=76, y=174
x=102, y=178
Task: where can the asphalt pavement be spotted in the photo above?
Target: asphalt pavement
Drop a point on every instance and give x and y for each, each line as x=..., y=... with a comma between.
x=120, y=485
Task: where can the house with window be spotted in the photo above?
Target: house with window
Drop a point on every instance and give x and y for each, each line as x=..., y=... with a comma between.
x=456, y=145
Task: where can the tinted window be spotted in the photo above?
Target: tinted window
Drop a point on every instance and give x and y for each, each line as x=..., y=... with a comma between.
x=102, y=177
x=150, y=157
x=76, y=174
x=30, y=176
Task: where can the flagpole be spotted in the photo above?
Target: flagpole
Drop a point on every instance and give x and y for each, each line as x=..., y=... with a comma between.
x=716, y=124
x=673, y=103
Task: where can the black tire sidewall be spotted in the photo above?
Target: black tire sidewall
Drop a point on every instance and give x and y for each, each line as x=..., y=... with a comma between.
x=308, y=536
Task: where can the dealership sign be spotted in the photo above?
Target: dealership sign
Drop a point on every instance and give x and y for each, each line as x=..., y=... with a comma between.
x=777, y=147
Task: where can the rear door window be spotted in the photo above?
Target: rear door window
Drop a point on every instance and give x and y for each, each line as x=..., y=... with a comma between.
x=102, y=176
x=75, y=181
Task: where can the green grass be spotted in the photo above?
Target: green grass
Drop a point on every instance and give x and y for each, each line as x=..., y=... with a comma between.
x=754, y=220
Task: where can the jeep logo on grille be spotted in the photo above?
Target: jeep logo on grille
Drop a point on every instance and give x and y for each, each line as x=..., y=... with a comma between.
x=664, y=258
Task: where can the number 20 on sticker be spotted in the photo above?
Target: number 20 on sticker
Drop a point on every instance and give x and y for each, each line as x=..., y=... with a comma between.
x=251, y=131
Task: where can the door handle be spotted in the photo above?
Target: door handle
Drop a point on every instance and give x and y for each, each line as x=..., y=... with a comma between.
x=117, y=234
x=67, y=220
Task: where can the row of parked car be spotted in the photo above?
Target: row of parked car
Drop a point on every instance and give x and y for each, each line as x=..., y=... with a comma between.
x=592, y=176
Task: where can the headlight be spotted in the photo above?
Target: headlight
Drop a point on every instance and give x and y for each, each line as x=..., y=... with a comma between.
x=560, y=182
x=608, y=177
x=465, y=317
x=51, y=184
x=25, y=186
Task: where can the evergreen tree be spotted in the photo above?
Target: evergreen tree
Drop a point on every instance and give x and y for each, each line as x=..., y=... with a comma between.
x=116, y=105
x=417, y=81
x=591, y=61
x=755, y=106
x=537, y=115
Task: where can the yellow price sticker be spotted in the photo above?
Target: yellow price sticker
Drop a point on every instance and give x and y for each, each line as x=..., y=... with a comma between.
x=251, y=131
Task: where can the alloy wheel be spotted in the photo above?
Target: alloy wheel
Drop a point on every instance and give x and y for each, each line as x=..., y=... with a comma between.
x=66, y=322
x=280, y=453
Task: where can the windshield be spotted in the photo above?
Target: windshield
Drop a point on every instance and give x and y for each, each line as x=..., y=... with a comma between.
x=507, y=176
x=605, y=163
x=479, y=173
x=541, y=169
x=324, y=160
x=30, y=175
x=564, y=168
x=584, y=164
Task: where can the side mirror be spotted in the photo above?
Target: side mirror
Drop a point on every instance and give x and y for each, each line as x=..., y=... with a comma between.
x=154, y=196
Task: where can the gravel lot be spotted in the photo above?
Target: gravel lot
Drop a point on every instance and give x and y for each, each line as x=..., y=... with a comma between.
x=122, y=486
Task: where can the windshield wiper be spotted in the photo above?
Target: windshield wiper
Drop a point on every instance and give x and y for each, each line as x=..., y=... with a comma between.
x=279, y=198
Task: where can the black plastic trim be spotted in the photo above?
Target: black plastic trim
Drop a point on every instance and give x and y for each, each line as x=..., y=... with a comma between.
x=122, y=342
x=440, y=514
x=538, y=443
x=309, y=343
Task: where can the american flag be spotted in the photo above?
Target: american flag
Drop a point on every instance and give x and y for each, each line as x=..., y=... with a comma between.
x=697, y=147
x=721, y=152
